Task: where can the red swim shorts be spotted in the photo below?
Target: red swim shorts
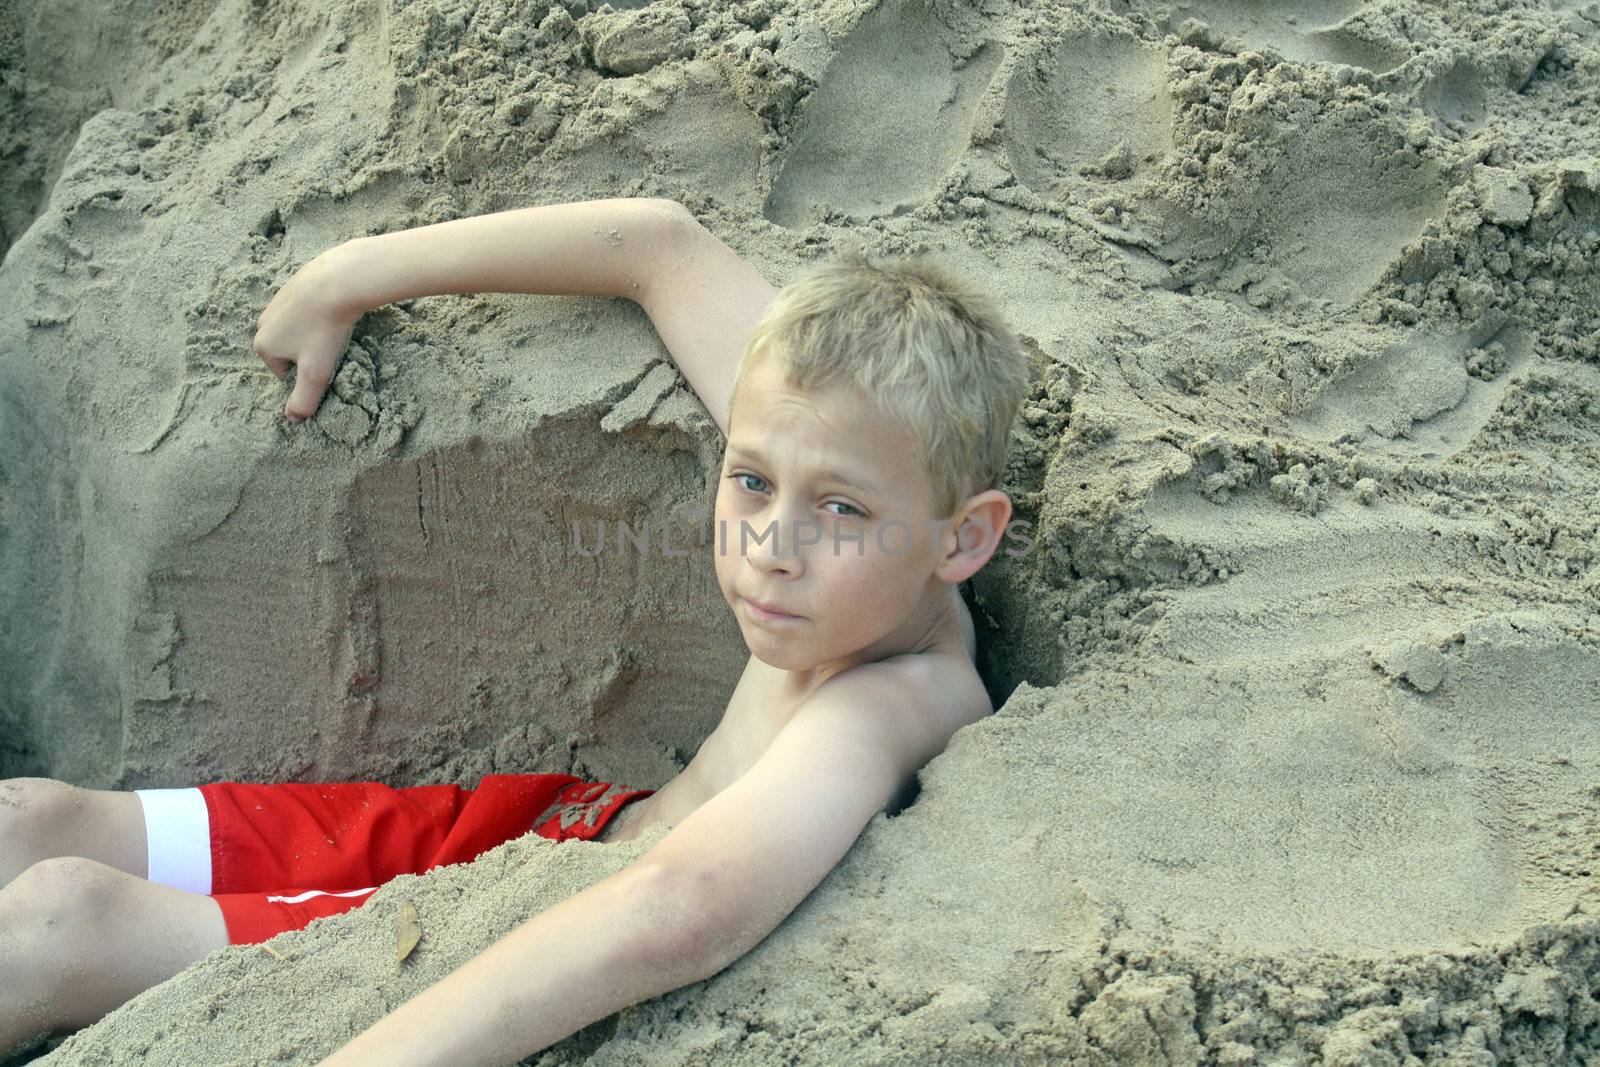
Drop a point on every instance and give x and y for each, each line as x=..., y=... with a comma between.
x=275, y=857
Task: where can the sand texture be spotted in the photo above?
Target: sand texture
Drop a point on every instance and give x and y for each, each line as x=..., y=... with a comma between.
x=1298, y=761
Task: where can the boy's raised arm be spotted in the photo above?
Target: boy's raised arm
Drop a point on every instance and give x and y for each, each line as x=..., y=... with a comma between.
x=704, y=300
x=591, y=248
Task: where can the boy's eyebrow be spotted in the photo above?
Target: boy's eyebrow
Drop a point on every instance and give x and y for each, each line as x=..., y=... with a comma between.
x=756, y=457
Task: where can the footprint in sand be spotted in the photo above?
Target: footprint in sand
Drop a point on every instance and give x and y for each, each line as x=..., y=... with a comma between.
x=1457, y=97
x=705, y=138
x=1459, y=94
x=1418, y=398
x=1336, y=205
x=1089, y=104
x=1301, y=30
x=891, y=116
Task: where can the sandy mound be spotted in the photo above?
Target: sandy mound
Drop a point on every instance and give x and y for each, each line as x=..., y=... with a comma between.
x=1297, y=757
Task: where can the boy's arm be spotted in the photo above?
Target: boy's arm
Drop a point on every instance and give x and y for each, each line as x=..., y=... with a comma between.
x=622, y=940
x=697, y=291
x=704, y=300
x=711, y=890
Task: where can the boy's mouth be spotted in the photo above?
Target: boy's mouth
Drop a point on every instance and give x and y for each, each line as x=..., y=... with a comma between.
x=762, y=611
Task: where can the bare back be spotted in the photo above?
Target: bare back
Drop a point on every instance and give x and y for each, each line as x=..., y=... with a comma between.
x=943, y=691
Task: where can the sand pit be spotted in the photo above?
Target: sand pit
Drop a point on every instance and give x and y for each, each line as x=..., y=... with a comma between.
x=1297, y=759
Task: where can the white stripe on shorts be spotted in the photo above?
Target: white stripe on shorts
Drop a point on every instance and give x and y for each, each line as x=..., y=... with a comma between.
x=177, y=834
x=309, y=893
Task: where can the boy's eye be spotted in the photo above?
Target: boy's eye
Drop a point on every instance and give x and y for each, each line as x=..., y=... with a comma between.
x=850, y=512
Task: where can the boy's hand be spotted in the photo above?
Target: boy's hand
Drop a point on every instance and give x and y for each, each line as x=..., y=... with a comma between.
x=306, y=324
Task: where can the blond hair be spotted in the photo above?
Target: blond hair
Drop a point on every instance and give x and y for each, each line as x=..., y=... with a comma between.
x=927, y=349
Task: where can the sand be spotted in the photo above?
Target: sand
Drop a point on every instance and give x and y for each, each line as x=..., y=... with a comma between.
x=1296, y=759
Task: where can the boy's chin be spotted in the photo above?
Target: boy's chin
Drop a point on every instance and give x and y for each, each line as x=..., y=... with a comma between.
x=779, y=655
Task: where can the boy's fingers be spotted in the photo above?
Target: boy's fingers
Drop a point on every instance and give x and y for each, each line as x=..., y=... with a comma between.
x=307, y=394
x=276, y=365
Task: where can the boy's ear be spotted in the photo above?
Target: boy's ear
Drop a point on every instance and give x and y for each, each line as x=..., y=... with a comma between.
x=975, y=531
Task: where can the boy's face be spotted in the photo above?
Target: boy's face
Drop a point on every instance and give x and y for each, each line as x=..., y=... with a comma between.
x=849, y=564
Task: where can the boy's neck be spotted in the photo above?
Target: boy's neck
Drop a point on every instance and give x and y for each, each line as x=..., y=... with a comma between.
x=933, y=625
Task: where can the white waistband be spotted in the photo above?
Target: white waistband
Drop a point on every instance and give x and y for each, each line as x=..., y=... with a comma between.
x=177, y=834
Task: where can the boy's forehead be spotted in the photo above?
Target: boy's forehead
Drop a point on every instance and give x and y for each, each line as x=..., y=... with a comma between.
x=839, y=432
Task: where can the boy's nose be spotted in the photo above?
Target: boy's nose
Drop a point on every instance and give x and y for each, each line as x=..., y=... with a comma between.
x=775, y=548
x=766, y=564
x=769, y=559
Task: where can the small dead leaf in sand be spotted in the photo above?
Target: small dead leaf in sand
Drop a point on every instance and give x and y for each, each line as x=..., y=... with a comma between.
x=407, y=932
x=274, y=953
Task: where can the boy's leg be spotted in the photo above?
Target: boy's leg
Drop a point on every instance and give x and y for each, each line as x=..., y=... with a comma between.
x=79, y=938
x=41, y=818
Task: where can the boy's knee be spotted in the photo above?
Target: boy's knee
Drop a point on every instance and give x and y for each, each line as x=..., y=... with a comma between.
x=56, y=910
x=29, y=806
x=68, y=889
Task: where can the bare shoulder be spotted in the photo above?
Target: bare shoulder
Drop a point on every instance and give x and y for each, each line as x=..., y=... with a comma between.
x=910, y=706
x=704, y=300
x=755, y=849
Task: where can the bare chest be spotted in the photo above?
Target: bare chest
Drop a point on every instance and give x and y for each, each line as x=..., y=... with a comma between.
x=755, y=715
x=753, y=718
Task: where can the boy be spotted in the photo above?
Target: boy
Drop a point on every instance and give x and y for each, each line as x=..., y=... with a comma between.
x=867, y=410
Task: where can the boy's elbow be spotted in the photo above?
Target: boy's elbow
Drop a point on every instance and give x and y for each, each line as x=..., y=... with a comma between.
x=665, y=218
x=663, y=228
x=688, y=934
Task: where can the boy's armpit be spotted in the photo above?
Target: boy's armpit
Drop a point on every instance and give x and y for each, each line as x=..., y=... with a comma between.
x=704, y=300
